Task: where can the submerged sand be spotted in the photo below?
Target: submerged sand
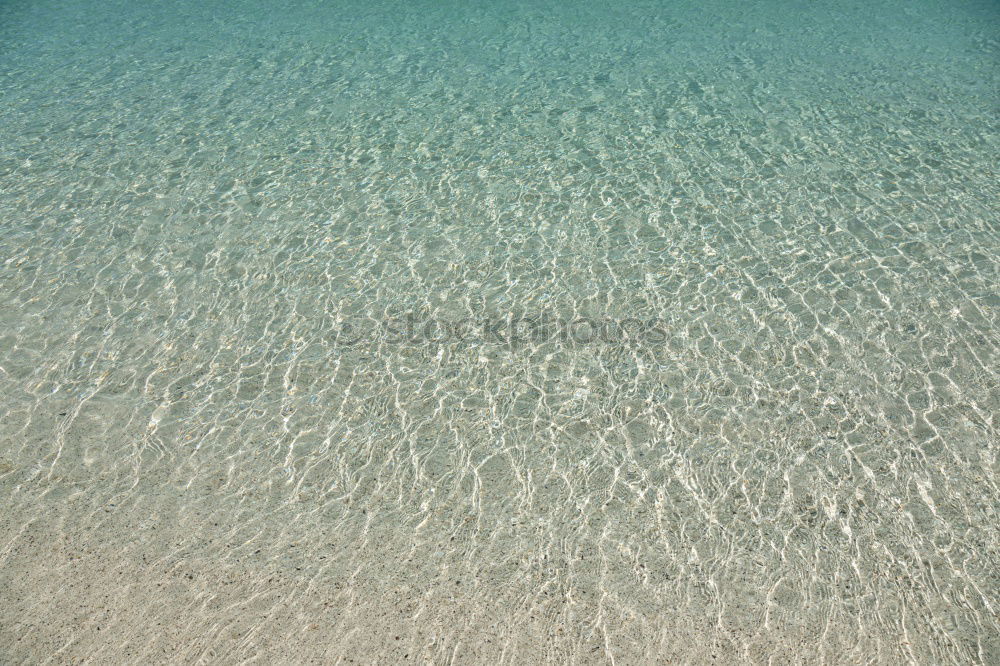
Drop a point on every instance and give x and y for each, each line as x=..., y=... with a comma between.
x=219, y=442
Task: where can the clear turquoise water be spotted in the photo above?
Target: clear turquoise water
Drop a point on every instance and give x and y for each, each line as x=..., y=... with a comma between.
x=217, y=444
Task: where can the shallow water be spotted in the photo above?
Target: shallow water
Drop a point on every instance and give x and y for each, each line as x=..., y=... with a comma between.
x=513, y=332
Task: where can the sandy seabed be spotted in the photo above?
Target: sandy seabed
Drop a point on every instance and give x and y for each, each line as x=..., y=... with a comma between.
x=214, y=448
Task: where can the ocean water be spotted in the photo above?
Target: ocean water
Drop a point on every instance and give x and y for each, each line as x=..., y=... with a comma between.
x=501, y=332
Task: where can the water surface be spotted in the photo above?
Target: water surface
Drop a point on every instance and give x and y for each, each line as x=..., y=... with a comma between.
x=219, y=440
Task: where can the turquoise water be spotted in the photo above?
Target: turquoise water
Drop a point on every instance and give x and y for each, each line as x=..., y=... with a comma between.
x=508, y=332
